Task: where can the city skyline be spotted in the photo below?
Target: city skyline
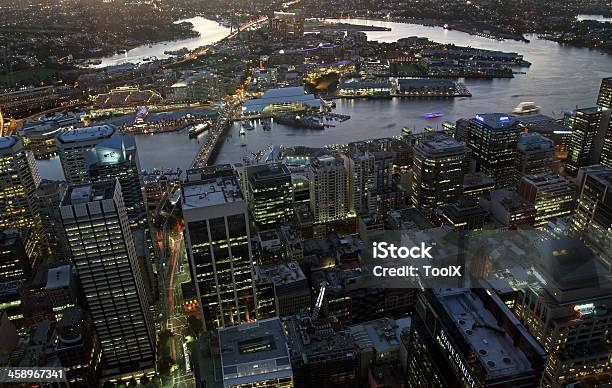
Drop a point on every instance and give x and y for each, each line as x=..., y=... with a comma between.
x=305, y=194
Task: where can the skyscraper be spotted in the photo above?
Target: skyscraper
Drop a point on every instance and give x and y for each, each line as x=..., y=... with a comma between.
x=592, y=222
x=218, y=242
x=604, y=99
x=14, y=262
x=570, y=316
x=493, y=140
x=102, y=249
x=606, y=151
x=585, y=127
x=49, y=196
x=359, y=167
x=437, y=173
x=19, y=179
x=269, y=194
x=117, y=157
x=468, y=338
x=551, y=194
x=328, y=189
x=536, y=154
x=73, y=145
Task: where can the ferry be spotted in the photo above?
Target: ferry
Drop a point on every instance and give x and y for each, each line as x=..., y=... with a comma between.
x=526, y=108
x=195, y=131
x=432, y=115
x=247, y=125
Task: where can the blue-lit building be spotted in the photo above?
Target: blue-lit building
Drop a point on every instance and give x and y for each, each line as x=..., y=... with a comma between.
x=117, y=157
x=493, y=138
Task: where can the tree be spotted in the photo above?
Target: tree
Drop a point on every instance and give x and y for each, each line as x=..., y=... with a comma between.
x=132, y=383
x=144, y=380
x=195, y=325
x=108, y=384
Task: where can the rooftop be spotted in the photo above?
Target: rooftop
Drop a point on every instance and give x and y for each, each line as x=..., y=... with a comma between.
x=211, y=192
x=89, y=192
x=59, y=277
x=494, y=348
x=381, y=334
x=283, y=273
x=254, y=352
x=496, y=120
x=7, y=142
x=86, y=134
x=281, y=96
x=534, y=142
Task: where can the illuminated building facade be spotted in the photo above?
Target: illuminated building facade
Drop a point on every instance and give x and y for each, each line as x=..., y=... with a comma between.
x=19, y=178
x=585, y=127
x=551, y=194
x=14, y=262
x=103, y=252
x=592, y=222
x=536, y=154
x=255, y=355
x=437, y=173
x=606, y=151
x=282, y=290
x=328, y=189
x=49, y=195
x=476, y=185
x=117, y=157
x=72, y=147
x=570, y=316
x=218, y=241
x=78, y=348
x=468, y=338
x=493, y=139
x=604, y=99
x=361, y=181
x=269, y=194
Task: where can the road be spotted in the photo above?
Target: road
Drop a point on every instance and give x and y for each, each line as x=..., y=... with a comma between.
x=173, y=272
x=216, y=132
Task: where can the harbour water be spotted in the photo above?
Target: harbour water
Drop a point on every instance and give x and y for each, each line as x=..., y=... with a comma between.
x=210, y=32
x=559, y=79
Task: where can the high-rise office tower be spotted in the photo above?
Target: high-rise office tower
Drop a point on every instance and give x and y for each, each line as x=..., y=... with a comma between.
x=570, y=316
x=78, y=348
x=102, y=250
x=493, y=139
x=586, y=124
x=73, y=145
x=606, y=150
x=437, y=173
x=269, y=194
x=117, y=157
x=14, y=262
x=218, y=241
x=19, y=179
x=536, y=154
x=604, y=99
x=49, y=195
x=359, y=167
x=551, y=194
x=592, y=221
x=469, y=338
x=328, y=189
